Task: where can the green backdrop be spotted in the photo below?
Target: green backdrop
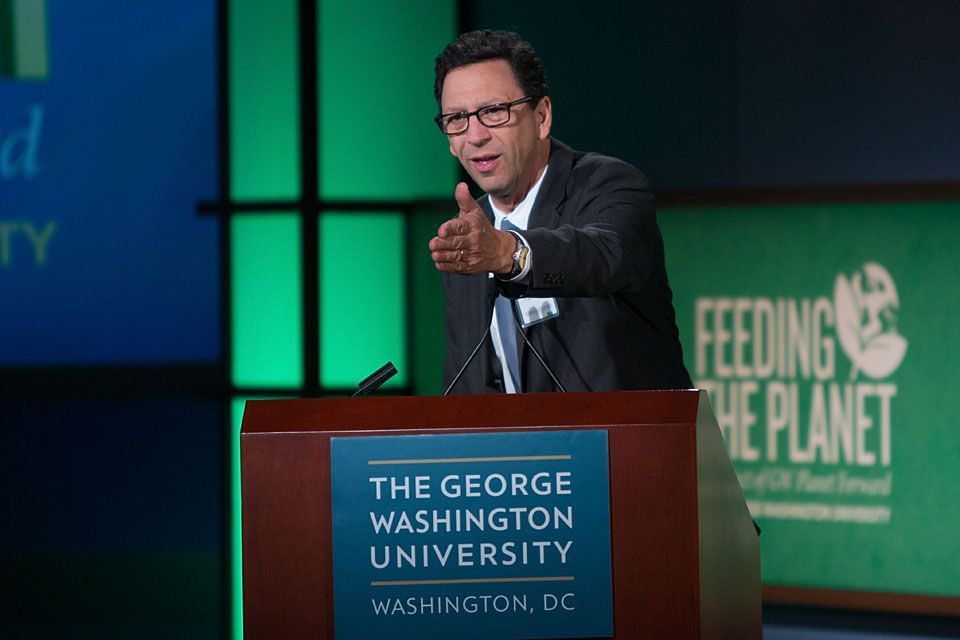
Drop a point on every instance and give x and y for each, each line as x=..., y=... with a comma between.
x=381, y=168
x=827, y=338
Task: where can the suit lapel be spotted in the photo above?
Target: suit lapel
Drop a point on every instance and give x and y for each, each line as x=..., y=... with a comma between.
x=553, y=192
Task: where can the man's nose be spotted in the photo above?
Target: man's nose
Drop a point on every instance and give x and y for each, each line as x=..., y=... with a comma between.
x=477, y=133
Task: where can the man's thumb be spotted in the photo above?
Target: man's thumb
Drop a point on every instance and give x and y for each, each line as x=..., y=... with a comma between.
x=464, y=200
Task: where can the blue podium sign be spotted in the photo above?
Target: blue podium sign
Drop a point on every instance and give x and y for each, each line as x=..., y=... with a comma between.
x=487, y=535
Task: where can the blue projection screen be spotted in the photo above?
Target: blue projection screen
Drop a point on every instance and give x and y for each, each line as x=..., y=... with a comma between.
x=107, y=141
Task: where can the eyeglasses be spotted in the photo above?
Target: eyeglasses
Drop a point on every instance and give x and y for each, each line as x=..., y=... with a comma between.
x=492, y=115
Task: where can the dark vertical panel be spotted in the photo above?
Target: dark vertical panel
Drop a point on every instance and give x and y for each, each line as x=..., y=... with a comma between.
x=309, y=188
x=647, y=82
x=426, y=301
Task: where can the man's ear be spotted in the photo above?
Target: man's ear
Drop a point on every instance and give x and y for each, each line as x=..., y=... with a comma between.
x=544, y=112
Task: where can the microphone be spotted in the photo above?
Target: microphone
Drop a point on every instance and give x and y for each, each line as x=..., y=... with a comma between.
x=466, y=364
x=526, y=341
x=372, y=382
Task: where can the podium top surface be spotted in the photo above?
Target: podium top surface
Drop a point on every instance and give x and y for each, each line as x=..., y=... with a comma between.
x=473, y=412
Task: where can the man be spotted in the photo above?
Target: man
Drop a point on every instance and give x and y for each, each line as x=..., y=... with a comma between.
x=564, y=244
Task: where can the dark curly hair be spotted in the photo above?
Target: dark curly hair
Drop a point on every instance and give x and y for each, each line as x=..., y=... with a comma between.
x=479, y=46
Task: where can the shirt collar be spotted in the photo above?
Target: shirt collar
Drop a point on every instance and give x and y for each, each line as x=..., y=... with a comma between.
x=520, y=216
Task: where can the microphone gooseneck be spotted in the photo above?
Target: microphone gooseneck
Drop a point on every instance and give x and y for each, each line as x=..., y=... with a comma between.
x=530, y=346
x=473, y=354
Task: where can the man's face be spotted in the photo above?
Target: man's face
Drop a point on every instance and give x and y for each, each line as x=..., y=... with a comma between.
x=504, y=161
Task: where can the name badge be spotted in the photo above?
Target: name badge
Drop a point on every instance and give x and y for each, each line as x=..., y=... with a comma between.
x=536, y=310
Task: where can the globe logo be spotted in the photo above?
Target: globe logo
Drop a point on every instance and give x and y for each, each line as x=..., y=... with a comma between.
x=866, y=309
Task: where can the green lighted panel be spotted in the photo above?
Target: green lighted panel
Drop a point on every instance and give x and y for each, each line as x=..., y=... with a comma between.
x=24, y=39
x=265, y=272
x=376, y=144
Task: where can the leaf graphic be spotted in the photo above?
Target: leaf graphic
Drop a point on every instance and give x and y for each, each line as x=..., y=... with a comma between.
x=883, y=355
x=860, y=329
x=848, y=320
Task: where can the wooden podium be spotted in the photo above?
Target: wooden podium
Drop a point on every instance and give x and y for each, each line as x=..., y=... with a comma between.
x=686, y=560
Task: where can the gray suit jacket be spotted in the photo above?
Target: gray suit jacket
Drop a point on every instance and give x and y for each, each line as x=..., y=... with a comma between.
x=597, y=249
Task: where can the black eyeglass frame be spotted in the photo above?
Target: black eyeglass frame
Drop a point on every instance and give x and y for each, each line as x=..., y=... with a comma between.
x=479, y=114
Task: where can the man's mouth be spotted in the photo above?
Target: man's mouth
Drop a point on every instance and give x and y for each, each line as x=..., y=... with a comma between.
x=486, y=163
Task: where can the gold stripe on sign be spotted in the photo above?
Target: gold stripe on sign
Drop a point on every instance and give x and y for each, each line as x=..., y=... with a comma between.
x=455, y=460
x=411, y=583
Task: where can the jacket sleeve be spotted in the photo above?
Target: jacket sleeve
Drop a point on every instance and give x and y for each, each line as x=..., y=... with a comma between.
x=605, y=240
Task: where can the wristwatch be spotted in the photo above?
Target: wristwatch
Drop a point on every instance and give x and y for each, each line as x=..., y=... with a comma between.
x=519, y=257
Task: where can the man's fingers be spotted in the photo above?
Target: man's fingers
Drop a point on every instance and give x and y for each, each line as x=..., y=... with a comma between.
x=449, y=243
x=451, y=261
x=454, y=227
x=446, y=254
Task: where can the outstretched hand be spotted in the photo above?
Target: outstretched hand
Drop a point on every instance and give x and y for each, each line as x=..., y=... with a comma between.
x=469, y=244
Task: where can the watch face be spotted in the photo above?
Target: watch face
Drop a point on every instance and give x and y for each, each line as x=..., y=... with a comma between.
x=522, y=258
